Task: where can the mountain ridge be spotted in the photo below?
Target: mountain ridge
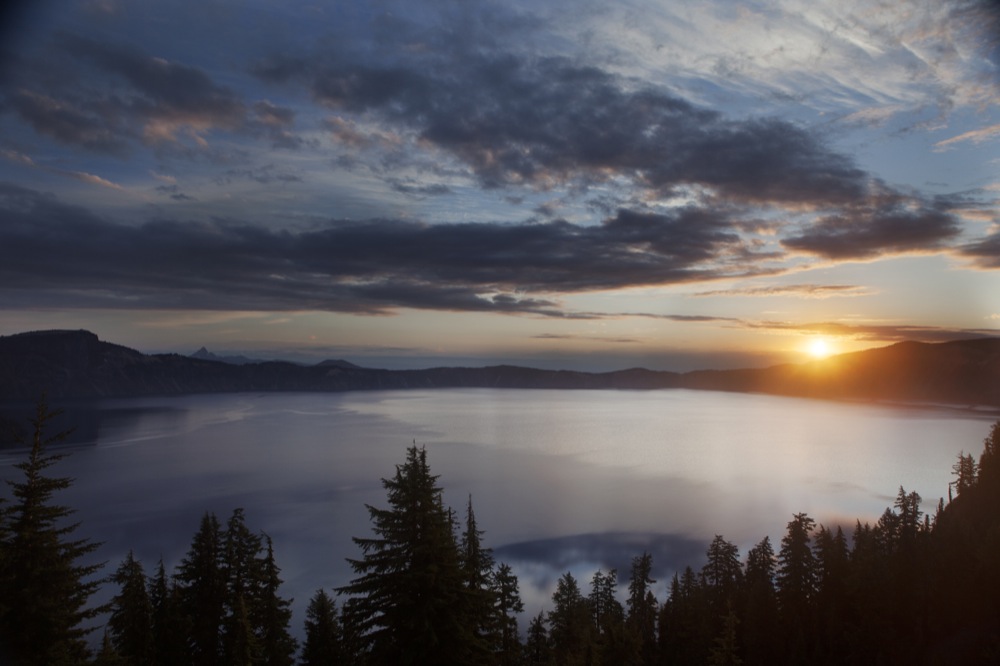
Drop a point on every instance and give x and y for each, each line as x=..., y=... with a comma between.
x=72, y=364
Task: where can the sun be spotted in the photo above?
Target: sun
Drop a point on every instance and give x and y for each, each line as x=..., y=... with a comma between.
x=819, y=348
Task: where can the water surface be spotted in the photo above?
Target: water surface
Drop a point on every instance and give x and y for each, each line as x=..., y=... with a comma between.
x=559, y=479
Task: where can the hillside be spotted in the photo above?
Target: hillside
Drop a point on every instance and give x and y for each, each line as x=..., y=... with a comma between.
x=965, y=372
x=76, y=364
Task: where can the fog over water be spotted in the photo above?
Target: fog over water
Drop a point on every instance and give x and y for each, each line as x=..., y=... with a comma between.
x=560, y=480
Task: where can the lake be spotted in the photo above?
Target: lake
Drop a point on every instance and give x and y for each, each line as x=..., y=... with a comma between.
x=560, y=480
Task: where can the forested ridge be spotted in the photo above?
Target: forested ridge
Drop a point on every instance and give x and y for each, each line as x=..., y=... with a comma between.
x=912, y=588
x=77, y=365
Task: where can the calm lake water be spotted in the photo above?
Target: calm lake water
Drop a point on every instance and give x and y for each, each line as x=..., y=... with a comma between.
x=560, y=480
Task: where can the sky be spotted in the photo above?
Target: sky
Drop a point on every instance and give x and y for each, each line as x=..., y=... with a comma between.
x=586, y=185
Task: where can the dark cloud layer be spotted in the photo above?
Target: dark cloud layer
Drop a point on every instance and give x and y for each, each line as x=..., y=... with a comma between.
x=104, y=96
x=52, y=251
x=67, y=122
x=460, y=99
x=894, y=226
x=540, y=122
x=985, y=253
x=548, y=122
x=167, y=90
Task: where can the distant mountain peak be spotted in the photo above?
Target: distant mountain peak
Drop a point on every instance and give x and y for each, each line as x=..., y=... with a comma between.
x=338, y=363
x=205, y=355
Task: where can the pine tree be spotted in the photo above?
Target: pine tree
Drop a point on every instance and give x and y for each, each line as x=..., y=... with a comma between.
x=796, y=575
x=323, y=645
x=606, y=611
x=722, y=574
x=202, y=593
x=989, y=459
x=274, y=614
x=607, y=618
x=409, y=597
x=685, y=628
x=240, y=569
x=965, y=471
x=239, y=644
x=796, y=578
x=131, y=621
x=107, y=655
x=170, y=625
x=569, y=623
x=356, y=644
x=833, y=570
x=640, y=620
x=910, y=517
x=4, y=555
x=508, y=606
x=760, y=606
x=228, y=592
x=760, y=569
x=537, y=647
x=477, y=570
x=724, y=652
x=44, y=586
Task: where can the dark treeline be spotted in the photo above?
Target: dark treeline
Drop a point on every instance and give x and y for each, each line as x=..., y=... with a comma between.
x=911, y=589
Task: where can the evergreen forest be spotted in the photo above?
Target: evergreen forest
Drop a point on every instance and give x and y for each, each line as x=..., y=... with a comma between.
x=912, y=588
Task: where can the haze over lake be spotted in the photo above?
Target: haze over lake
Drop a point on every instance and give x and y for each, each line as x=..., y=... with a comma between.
x=559, y=479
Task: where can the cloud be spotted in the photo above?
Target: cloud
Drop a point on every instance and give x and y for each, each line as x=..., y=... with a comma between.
x=876, y=332
x=544, y=120
x=361, y=136
x=52, y=252
x=166, y=178
x=984, y=253
x=919, y=56
x=860, y=331
x=975, y=136
x=415, y=189
x=276, y=122
x=548, y=121
x=680, y=317
x=985, y=213
x=596, y=338
x=168, y=95
x=93, y=179
x=15, y=156
x=427, y=101
x=269, y=173
x=174, y=192
x=796, y=290
x=875, y=116
x=196, y=319
x=888, y=224
x=67, y=122
x=82, y=176
x=141, y=98
x=272, y=114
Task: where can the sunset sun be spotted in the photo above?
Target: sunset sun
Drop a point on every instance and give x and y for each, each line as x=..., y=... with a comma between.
x=819, y=348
